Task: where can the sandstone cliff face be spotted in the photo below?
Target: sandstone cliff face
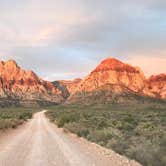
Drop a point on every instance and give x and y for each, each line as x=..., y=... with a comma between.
x=113, y=79
x=112, y=71
x=18, y=84
x=156, y=86
x=67, y=87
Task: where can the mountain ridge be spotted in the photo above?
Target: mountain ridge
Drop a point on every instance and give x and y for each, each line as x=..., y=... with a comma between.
x=116, y=73
x=111, y=80
x=25, y=86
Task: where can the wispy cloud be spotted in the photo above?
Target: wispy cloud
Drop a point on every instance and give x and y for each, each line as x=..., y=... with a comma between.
x=72, y=37
x=65, y=76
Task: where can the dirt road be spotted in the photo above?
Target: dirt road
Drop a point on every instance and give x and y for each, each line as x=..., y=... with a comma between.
x=40, y=143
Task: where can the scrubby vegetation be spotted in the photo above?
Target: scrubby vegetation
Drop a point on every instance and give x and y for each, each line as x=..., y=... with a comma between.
x=13, y=116
x=137, y=132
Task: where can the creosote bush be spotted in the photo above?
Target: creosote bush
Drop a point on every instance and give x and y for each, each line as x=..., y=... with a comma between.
x=137, y=132
x=13, y=116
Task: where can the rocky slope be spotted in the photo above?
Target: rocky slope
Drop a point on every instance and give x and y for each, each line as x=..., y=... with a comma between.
x=111, y=81
x=115, y=81
x=20, y=86
x=112, y=71
x=156, y=86
x=67, y=87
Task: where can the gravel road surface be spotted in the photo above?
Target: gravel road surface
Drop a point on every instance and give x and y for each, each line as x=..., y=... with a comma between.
x=41, y=143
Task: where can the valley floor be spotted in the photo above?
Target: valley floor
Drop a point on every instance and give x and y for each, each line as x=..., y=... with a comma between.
x=137, y=131
x=41, y=143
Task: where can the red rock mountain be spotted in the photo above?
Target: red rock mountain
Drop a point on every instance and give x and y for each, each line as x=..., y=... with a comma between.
x=112, y=80
x=112, y=71
x=115, y=78
x=21, y=85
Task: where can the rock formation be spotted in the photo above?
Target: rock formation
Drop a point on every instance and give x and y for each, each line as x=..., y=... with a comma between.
x=111, y=81
x=25, y=86
x=67, y=87
x=114, y=80
x=156, y=86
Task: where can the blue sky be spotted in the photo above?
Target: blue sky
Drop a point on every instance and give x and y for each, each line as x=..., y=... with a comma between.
x=67, y=39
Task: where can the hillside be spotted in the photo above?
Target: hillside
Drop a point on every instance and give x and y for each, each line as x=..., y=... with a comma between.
x=156, y=86
x=66, y=87
x=112, y=81
x=115, y=81
x=18, y=86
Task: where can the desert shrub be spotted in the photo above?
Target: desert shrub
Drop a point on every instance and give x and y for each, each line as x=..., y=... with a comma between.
x=66, y=118
x=25, y=115
x=80, y=130
x=100, y=136
x=137, y=132
x=9, y=123
x=147, y=153
x=119, y=146
x=13, y=116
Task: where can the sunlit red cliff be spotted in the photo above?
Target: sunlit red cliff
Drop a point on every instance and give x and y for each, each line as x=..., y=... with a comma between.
x=21, y=85
x=115, y=78
x=112, y=80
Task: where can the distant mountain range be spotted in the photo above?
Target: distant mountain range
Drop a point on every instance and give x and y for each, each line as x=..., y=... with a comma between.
x=115, y=81
x=111, y=81
x=18, y=86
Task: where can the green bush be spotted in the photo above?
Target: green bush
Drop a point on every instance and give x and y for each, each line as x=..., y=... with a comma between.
x=138, y=132
x=14, y=116
x=25, y=115
x=66, y=118
x=100, y=136
x=81, y=131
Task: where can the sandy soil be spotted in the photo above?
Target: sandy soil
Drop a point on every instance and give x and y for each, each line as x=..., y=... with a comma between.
x=41, y=143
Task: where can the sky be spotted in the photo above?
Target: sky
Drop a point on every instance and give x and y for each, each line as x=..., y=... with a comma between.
x=66, y=39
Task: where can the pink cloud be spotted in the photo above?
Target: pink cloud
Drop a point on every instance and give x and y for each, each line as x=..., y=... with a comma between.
x=150, y=65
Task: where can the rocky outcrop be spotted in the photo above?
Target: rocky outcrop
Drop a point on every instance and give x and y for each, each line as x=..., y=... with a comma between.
x=156, y=86
x=25, y=86
x=67, y=87
x=112, y=71
x=113, y=80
